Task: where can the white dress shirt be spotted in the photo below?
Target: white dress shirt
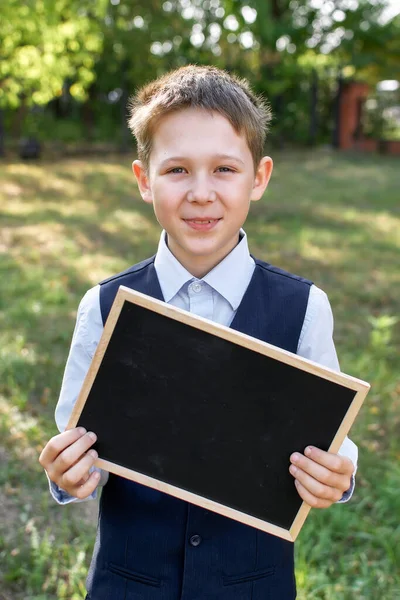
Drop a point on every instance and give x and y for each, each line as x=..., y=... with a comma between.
x=217, y=297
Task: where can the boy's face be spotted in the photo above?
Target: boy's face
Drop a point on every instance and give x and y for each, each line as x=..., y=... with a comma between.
x=201, y=181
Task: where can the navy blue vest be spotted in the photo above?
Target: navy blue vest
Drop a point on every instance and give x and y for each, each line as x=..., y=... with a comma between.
x=151, y=546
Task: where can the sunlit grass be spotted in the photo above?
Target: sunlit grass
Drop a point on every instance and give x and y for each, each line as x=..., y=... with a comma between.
x=332, y=218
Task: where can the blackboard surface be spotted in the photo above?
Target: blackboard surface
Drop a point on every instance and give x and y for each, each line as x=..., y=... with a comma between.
x=189, y=408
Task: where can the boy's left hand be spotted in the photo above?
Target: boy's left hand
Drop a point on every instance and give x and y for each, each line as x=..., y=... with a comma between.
x=321, y=478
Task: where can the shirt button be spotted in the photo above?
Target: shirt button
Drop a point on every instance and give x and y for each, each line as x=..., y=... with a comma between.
x=195, y=540
x=196, y=287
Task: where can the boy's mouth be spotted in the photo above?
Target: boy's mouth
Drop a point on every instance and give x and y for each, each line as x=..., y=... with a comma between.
x=202, y=220
x=201, y=224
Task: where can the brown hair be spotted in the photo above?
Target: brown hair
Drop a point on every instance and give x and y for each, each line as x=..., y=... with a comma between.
x=203, y=87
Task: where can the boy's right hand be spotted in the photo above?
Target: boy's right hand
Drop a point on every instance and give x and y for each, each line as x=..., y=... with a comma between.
x=67, y=460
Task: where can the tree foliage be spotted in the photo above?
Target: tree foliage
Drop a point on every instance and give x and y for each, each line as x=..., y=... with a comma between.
x=44, y=43
x=101, y=50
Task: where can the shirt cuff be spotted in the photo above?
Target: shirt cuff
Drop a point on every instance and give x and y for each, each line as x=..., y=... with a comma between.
x=62, y=497
x=348, y=494
x=349, y=449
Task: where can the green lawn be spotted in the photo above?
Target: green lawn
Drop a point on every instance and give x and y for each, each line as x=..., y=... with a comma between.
x=332, y=218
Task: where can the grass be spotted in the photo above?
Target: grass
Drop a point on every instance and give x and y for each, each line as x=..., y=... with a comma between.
x=332, y=218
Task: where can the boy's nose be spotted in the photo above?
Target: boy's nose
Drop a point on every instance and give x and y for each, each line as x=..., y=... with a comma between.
x=202, y=198
x=202, y=192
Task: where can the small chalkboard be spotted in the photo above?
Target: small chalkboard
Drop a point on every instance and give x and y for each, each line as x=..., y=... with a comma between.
x=208, y=414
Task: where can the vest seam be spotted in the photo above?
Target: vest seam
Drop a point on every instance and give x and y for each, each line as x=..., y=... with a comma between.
x=133, y=269
x=292, y=276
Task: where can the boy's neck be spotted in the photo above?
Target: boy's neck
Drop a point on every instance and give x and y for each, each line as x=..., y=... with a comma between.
x=199, y=266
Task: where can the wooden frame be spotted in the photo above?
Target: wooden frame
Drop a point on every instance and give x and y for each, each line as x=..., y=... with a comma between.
x=127, y=295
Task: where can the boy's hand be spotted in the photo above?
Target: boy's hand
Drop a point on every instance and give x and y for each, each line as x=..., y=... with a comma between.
x=67, y=460
x=321, y=478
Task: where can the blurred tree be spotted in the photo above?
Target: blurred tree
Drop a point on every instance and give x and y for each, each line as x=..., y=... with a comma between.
x=43, y=44
x=371, y=49
x=96, y=52
x=301, y=47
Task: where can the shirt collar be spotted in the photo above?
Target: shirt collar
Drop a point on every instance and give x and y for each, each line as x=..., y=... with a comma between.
x=171, y=274
x=230, y=278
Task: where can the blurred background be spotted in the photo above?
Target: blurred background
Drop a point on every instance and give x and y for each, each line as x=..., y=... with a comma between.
x=67, y=68
x=71, y=215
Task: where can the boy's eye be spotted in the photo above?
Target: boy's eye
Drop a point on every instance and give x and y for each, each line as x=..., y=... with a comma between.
x=225, y=170
x=176, y=170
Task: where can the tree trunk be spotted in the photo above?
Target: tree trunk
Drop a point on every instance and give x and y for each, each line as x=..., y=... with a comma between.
x=336, y=112
x=19, y=120
x=313, y=109
x=125, y=133
x=278, y=111
x=88, y=114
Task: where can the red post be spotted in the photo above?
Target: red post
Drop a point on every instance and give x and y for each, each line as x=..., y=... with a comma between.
x=352, y=95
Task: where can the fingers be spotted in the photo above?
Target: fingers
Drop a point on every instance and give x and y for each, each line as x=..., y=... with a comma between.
x=83, y=490
x=58, y=443
x=328, y=471
x=333, y=462
x=68, y=460
x=316, y=491
x=70, y=455
x=309, y=498
x=321, y=477
x=78, y=474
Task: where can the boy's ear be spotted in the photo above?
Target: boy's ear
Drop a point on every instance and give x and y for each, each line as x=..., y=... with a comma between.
x=262, y=177
x=142, y=179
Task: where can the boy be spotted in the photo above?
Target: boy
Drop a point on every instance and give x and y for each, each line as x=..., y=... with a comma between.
x=200, y=135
